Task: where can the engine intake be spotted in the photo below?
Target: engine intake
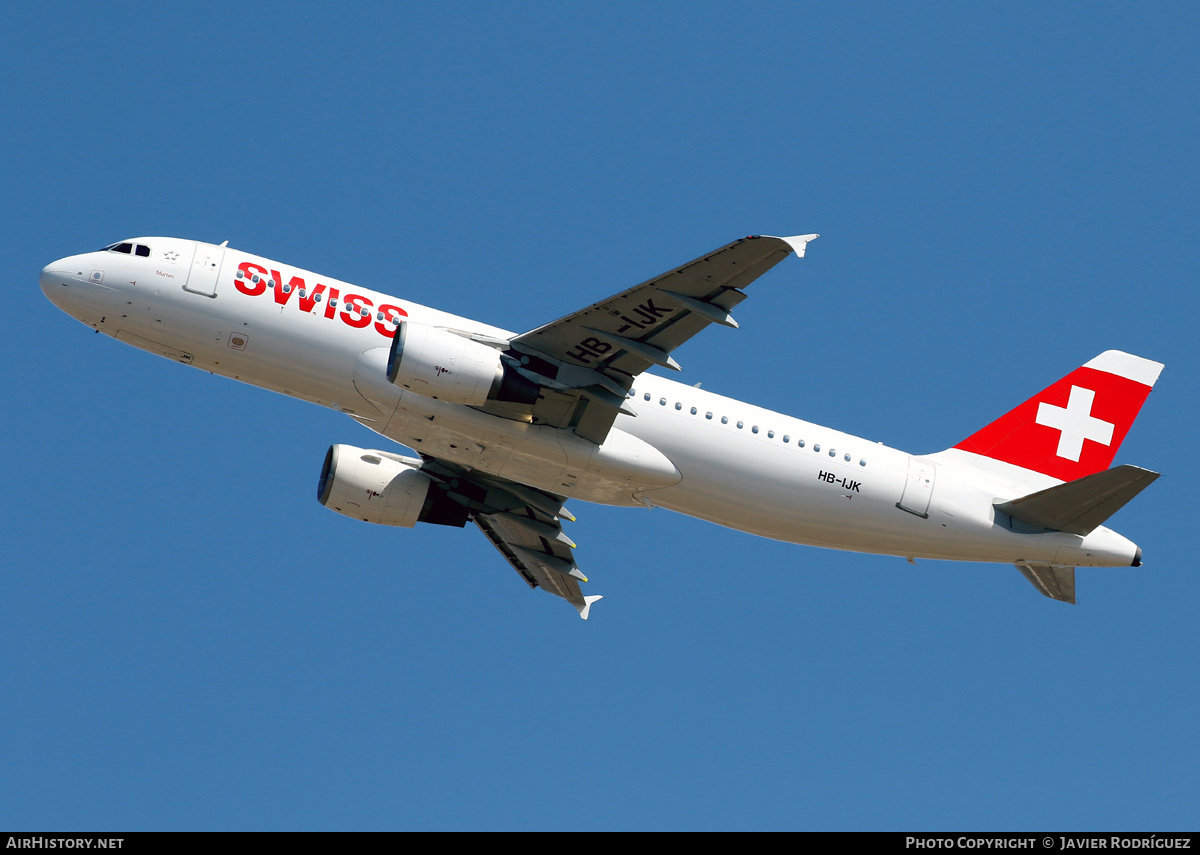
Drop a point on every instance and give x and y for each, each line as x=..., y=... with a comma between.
x=438, y=364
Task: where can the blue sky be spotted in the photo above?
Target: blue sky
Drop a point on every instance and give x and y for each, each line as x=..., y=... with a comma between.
x=189, y=640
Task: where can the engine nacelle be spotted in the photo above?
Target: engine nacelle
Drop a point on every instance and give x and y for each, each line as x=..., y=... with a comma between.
x=377, y=488
x=438, y=364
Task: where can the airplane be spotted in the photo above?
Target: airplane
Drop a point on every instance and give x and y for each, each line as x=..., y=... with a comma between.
x=507, y=427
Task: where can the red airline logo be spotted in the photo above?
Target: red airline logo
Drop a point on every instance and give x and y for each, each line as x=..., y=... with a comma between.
x=1068, y=430
x=356, y=310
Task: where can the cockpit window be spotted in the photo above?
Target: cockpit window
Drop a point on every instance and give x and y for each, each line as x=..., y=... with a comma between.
x=128, y=248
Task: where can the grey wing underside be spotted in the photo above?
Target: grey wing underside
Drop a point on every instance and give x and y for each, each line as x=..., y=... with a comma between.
x=540, y=552
x=522, y=522
x=585, y=362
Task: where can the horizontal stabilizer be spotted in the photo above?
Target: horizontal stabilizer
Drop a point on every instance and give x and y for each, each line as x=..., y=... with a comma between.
x=1051, y=580
x=1078, y=507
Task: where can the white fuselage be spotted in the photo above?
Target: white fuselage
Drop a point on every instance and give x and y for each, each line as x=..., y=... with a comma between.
x=688, y=450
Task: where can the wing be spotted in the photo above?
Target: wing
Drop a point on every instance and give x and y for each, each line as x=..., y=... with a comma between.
x=524, y=523
x=585, y=362
x=535, y=545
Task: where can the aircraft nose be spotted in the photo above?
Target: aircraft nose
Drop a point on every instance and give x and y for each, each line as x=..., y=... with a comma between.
x=64, y=282
x=53, y=279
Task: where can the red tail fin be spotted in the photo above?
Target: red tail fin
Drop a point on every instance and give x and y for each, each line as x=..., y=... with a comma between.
x=1074, y=427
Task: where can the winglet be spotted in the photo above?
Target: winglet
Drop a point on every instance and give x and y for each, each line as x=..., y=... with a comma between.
x=587, y=605
x=798, y=243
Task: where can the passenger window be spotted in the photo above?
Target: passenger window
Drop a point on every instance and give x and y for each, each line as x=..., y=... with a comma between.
x=817, y=447
x=799, y=443
x=833, y=452
x=143, y=251
x=662, y=402
x=724, y=420
x=693, y=411
x=770, y=434
x=741, y=425
x=678, y=405
x=754, y=429
x=786, y=437
x=708, y=415
x=646, y=396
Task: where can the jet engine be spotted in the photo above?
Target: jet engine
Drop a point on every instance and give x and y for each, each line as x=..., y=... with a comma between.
x=438, y=364
x=382, y=488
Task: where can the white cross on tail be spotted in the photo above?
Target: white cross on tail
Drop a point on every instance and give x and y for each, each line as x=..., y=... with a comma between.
x=1076, y=423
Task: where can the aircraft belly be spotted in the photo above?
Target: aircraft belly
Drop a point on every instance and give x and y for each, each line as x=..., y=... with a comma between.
x=538, y=455
x=771, y=489
x=789, y=504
